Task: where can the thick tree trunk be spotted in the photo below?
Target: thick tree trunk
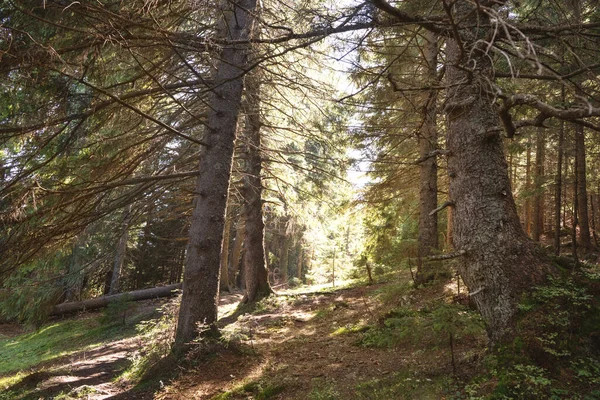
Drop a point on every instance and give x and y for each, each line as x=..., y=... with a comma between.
x=202, y=268
x=255, y=265
x=527, y=202
x=582, y=206
x=558, y=188
x=538, y=199
x=100, y=302
x=575, y=213
x=428, y=223
x=115, y=281
x=500, y=263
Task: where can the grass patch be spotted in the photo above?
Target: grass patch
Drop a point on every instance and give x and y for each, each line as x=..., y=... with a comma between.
x=350, y=328
x=258, y=390
x=57, y=339
x=405, y=385
x=323, y=389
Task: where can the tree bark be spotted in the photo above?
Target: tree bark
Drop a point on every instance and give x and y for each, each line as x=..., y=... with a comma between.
x=527, y=202
x=255, y=265
x=100, y=302
x=202, y=268
x=582, y=206
x=285, y=256
x=558, y=187
x=224, y=281
x=428, y=223
x=538, y=199
x=236, y=253
x=500, y=262
x=300, y=262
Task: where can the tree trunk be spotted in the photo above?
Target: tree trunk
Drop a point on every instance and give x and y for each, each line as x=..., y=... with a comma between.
x=527, y=202
x=255, y=265
x=285, y=257
x=582, y=206
x=115, y=281
x=593, y=219
x=224, y=282
x=538, y=199
x=75, y=275
x=300, y=262
x=100, y=302
x=574, y=246
x=500, y=263
x=202, y=268
x=558, y=187
x=236, y=252
x=428, y=224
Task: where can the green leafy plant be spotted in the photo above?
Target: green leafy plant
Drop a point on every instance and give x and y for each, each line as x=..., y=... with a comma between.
x=156, y=336
x=116, y=311
x=452, y=321
x=323, y=390
x=523, y=382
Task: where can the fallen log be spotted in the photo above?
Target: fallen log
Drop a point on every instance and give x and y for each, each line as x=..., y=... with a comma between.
x=100, y=302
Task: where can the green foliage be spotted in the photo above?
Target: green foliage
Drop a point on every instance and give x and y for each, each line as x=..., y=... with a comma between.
x=523, y=382
x=587, y=370
x=553, y=318
x=31, y=291
x=552, y=355
x=323, y=390
x=258, y=390
x=455, y=320
x=404, y=385
x=55, y=340
x=269, y=304
x=157, y=336
x=429, y=324
x=116, y=311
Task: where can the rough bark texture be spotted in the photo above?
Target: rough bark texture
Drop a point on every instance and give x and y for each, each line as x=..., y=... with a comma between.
x=202, y=268
x=558, y=188
x=538, y=199
x=100, y=302
x=428, y=224
x=255, y=264
x=582, y=205
x=500, y=261
x=527, y=202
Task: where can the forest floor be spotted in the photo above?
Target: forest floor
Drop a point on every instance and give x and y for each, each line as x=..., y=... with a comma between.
x=308, y=343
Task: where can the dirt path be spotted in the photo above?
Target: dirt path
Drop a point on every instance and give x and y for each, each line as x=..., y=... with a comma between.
x=292, y=346
x=91, y=374
x=299, y=346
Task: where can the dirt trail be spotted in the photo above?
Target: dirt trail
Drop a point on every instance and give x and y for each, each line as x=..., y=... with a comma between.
x=295, y=343
x=90, y=374
x=297, y=347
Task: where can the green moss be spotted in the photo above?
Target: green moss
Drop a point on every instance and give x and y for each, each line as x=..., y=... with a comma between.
x=407, y=385
x=258, y=390
x=57, y=339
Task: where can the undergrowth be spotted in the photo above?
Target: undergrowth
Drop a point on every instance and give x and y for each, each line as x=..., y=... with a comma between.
x=258, y=390
x=555, y=353
x=156, y=337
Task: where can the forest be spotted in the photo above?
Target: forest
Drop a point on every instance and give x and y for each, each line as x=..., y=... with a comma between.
x=299, y=199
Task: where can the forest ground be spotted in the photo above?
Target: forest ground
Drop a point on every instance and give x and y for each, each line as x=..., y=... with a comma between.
x=308, y=343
